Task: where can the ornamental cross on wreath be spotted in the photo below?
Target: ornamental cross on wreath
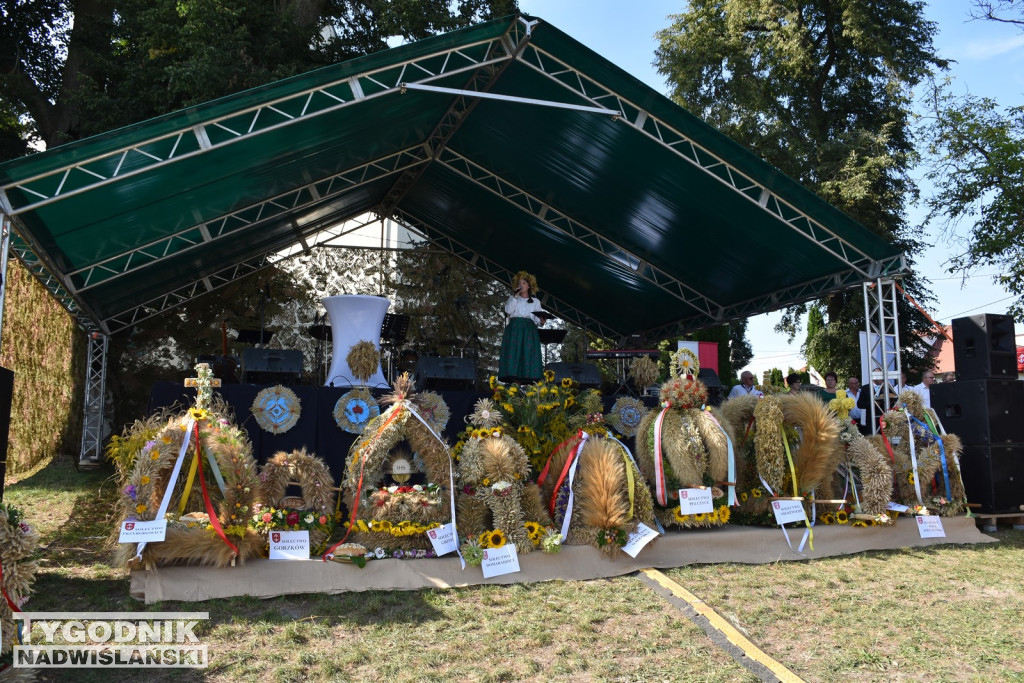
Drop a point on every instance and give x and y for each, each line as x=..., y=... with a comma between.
x=204, y=382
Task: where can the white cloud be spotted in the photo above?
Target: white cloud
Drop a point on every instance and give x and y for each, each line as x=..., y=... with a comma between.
x=986, y=49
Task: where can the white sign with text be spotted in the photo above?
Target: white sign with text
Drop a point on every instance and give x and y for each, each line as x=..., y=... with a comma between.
x=695, y=501
x=638, y=539
x=139, y=532
x=930, y=526
x=788, y=511
x=498, y=561
x=289, y=545
x=443, y=539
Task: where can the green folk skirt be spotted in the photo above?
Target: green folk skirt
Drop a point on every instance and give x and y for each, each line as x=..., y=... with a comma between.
x=520, y=352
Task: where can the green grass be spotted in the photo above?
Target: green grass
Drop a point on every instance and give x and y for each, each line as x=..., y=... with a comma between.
x=938, y=613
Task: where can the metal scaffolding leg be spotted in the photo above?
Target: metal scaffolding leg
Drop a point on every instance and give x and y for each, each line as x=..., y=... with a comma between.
x=95, y=392
x=881, y=322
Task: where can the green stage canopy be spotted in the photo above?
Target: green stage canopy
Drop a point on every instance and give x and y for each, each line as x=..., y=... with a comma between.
x=508, y=143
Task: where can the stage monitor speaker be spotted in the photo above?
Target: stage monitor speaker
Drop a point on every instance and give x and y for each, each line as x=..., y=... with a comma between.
x=6, y=396
x=271, y=366
x=586, y=374
x=981, y=411
x=442, y=373
x=984, y=347
x=994, y=477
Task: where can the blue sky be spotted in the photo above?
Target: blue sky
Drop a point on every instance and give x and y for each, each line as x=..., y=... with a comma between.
x=989, y=61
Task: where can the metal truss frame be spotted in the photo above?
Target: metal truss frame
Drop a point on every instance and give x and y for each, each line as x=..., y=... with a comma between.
x=218, y=132
x=480, y=81
x=202, y=234
x=686, y=148
x=580, y=233
x=834, y=282
x=499, y=272
x=881, y=321
x=95, y=398
x=5, y=245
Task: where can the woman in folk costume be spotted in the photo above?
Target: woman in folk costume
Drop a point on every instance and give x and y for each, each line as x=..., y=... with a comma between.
x=520, y=345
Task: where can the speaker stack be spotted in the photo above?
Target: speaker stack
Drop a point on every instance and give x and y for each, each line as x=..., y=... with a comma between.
x=443, y=373
x=985, y=408
x=586, y=374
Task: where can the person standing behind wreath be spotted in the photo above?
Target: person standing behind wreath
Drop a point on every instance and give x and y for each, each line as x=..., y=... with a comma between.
x=520, y=345
x=746, y=386
x=829, y=391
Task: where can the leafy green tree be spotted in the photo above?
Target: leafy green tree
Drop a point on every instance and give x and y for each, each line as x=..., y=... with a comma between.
x=74, y=68
x=977, y=151
x=821, y=89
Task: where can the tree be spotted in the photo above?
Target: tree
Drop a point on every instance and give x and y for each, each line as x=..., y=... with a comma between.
x=977, y=167
x=74, y=68
x=822, y=90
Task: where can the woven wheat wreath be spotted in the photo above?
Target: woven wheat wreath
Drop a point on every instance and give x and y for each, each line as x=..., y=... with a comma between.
x=354, y=410
x=276, y=409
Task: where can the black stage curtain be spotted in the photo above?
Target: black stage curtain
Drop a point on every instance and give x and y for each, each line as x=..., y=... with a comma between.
x=316, y=430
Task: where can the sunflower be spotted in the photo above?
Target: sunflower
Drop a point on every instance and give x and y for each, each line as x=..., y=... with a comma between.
x=859, y=522
x=724, y=513
x=743, y=497
x=497, y=539
x=827, y=518
x=549, y=376
x=679, y=516
x=569, y=403
x=484, y=539
x=532, y=528
x=842, y=517
x=566, y=382
x=492, y=381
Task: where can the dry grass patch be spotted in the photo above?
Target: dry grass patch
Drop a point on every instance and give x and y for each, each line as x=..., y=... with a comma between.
x=935, y=613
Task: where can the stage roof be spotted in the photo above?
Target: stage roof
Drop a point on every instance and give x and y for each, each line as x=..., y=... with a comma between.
x=508, y=143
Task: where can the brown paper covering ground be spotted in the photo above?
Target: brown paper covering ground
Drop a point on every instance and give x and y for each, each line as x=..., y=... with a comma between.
x=745, y=545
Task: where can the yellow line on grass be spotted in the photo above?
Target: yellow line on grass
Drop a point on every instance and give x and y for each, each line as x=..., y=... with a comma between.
x=727, y=629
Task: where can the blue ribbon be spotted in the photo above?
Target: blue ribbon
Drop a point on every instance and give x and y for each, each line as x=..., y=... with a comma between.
x=942, y=455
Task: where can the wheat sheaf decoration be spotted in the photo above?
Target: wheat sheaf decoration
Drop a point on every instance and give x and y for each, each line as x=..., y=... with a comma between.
x=363, y=359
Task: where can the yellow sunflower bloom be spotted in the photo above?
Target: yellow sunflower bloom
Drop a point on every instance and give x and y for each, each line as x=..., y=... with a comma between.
x=484, y=539
x=566, y=382
x=743, y=497
x=756, y=493
x=569, y=403
x=497, y=538
x=859, y=522
x=492, y=381
x=140, y=508
x=842, y=517
x=724, y=513
x=549, y=375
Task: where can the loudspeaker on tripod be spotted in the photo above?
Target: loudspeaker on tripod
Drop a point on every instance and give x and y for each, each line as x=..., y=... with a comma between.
x=984, y=347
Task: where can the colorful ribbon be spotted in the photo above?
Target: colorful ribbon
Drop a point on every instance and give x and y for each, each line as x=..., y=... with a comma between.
x=659, y=465
x=210, y=510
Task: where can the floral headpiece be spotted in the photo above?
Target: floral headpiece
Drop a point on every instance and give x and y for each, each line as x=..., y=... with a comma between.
x=530, y=280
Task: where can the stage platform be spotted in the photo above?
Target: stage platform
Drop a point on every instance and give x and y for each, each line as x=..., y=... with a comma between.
x=745, y=545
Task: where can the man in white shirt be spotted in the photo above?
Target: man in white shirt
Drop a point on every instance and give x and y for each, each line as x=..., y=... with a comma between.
x=924, y=389
x=746, y=386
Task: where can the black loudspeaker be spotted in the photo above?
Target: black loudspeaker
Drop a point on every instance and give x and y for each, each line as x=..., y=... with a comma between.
x=6, y=395
x=271, y=366
x=994, y=477
x=981, y=411
x=586, y=374
x=984, y=347
x=440, y=373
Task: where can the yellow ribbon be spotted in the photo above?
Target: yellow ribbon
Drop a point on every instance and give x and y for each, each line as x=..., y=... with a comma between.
x=629, y=480
x=796, y=490
x=183, y=501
